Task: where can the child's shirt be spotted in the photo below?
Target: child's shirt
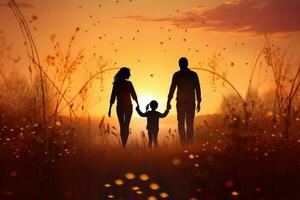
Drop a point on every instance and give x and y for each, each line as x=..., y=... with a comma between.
x=152, y=118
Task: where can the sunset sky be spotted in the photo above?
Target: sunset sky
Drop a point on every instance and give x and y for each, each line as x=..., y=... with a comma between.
x=149, y=36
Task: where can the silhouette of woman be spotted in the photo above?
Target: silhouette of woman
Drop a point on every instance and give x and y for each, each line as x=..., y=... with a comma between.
x=123, y=90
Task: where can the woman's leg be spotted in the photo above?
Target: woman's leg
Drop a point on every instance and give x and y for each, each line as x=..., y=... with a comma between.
x=127, y=119
x=121, y=118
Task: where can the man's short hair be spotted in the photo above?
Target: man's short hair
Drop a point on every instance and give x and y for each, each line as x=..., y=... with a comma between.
x=183, y=62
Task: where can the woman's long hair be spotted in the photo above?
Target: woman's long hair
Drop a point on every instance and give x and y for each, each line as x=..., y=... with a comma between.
x=122, y=74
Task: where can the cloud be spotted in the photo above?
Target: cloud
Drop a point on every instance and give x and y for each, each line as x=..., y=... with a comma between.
x=20, y=5
x=256, y=16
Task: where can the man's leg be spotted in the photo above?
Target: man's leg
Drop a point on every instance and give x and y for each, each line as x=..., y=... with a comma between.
x=181, y=118
x=190, y=115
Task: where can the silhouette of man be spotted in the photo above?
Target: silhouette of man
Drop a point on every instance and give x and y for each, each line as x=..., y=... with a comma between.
x=188, y=87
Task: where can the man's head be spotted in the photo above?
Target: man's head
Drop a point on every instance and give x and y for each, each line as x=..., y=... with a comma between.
x=183, y=63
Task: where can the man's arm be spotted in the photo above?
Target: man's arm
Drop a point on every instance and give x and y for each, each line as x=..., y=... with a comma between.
x=171, y=91
x=198, y=93
x=162, y=115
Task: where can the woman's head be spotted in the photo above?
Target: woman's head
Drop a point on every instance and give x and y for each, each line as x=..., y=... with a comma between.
x=122, y=74
x=153, y=105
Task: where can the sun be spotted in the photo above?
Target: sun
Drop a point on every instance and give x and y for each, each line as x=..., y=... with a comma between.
x=144, y=100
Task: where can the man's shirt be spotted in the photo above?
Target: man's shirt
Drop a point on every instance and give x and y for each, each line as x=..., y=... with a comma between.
x=188, y=86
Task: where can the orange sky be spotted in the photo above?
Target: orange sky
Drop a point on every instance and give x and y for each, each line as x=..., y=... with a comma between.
x=142, y=35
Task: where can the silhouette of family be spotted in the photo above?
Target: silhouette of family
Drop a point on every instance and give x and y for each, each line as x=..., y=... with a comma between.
x=188, y=91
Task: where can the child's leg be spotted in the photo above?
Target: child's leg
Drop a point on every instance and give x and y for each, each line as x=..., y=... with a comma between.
x=150, y=135
x=155, y=135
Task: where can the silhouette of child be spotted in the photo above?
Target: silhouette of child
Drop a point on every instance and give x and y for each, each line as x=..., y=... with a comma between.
x=152, y=120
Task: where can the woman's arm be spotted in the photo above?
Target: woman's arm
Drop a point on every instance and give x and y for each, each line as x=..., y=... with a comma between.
x=112, y=99
x=133, y=94
x=140, y=112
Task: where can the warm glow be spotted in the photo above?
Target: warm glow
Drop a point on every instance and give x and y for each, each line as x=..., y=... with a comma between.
x=144, y=100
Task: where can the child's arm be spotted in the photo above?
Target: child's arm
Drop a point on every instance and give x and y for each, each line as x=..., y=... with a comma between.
x=162, y=115
x=140, y=112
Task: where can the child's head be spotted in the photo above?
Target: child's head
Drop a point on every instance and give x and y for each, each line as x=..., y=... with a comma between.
x=153, y=105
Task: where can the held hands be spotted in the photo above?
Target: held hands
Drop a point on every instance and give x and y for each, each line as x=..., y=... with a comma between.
x=137, y=107
x=169, y=106
x=137, y=104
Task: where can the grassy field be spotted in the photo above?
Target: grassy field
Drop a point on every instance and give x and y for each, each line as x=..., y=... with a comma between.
x=79, y=167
